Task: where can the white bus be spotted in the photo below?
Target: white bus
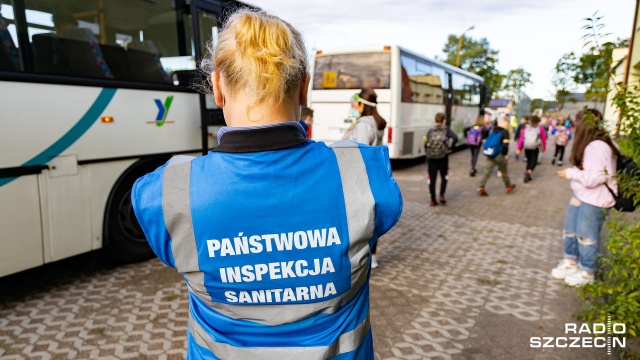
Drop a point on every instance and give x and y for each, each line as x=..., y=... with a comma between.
x=95, y=93
x=411, y=89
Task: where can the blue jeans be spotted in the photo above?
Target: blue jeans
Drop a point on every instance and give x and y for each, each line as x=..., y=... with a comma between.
x=582, y=233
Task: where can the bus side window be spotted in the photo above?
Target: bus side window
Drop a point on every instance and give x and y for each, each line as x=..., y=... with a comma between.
x=406, y=87
x=144, y=62
x=84, y=54
x=9, y=54
x=48, y=54
x=116, y=57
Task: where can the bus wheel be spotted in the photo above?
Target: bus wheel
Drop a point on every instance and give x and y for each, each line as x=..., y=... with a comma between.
x=123, y=236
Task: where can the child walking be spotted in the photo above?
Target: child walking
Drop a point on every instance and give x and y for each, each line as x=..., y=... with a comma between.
x=438, y=144
x=562, y=135
x=532, y=139
x=473, y=135
x=496, y=149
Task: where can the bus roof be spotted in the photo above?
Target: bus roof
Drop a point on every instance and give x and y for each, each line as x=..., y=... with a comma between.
x=381, y=48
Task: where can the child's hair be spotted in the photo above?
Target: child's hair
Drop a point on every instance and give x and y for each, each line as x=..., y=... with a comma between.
x=261, y=54
x=306, y=112
x=479, y=121
x=559, y=122
x=525, y=118
x=371, y=96
x=535, y=120
x=440, y=118
x=589, y=127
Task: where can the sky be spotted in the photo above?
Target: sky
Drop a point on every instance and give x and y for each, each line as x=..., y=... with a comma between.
x=529, y=34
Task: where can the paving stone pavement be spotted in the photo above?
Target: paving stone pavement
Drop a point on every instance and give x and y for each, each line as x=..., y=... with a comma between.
x=464, y=281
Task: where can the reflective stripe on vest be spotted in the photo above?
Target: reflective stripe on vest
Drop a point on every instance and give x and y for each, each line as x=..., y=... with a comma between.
x=176, y=206
x=347, y=342
x=360, y=207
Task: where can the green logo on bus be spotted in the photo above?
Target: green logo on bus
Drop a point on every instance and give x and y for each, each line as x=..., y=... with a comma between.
x=163, y=110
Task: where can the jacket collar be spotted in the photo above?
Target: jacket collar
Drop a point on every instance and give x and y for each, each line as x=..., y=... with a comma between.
x=261, y=139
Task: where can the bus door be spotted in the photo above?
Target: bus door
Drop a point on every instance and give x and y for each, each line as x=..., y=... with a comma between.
x=206, y=21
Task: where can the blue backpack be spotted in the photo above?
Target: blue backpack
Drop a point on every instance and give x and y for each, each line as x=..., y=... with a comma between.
x=493, y=144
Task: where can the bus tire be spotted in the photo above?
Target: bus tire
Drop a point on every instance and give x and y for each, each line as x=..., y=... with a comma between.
x=122, y=234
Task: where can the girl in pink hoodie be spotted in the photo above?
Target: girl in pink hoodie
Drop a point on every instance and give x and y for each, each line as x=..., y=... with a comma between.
x=532, y=139
x=594, y=156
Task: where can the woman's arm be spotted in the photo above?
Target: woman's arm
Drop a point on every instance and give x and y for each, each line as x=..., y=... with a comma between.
x=520, y=141
x=543, y=138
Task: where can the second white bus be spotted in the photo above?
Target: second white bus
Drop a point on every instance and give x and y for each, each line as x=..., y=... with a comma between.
x=411, y=89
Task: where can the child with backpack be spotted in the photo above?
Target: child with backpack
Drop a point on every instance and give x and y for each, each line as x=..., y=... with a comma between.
x=473, y=135
x=532, y=139
x=439, y=141
x=496, y=149
x=562, y=135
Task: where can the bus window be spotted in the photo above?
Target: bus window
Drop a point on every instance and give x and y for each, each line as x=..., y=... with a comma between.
x=116, y=39
x=10, y=59
x=352, y=71
x=465, y=91
x=424, y=81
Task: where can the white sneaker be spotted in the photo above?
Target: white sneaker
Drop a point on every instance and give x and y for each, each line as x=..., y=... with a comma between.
x=564, y=269
x=579, y=278
x=374, y=262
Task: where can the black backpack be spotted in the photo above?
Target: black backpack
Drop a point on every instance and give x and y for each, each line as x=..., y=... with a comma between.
x=437, y=147
x=624, y=202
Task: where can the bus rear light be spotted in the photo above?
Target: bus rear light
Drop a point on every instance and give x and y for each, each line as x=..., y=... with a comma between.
x=389, y=134
x=309, y=131
x=106, y=119
x=387, y=48
x=319, y=52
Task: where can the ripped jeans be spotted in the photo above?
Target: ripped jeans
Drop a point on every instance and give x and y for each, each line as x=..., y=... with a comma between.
x=582, y=233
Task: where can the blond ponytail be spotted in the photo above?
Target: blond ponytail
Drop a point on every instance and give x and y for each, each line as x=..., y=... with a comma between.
x=260, y=54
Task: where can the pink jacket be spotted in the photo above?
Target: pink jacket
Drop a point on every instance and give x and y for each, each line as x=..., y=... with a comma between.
x=543, y=138
x=599, y=165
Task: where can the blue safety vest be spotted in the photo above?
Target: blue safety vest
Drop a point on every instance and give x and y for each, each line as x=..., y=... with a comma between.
x=274, y=245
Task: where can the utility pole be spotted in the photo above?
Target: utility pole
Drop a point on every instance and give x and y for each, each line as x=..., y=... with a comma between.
x=460, y=44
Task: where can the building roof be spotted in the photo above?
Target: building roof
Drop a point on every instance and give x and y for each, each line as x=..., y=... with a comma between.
x=499, y=103
x=576, y=96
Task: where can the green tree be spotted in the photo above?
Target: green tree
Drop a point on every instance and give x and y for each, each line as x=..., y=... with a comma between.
x=591, y=70
x=563, y=78
x=517, y=79
x=593, y=67
x=476, y=56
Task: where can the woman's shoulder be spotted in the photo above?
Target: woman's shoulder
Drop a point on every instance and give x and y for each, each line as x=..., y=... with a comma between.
x=365, y=121
x=599, y=146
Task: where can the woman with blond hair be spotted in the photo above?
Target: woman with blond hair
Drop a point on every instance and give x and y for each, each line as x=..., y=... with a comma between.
x=272, y=231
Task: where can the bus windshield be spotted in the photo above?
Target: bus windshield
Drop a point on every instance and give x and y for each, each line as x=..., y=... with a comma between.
x=352, y=71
